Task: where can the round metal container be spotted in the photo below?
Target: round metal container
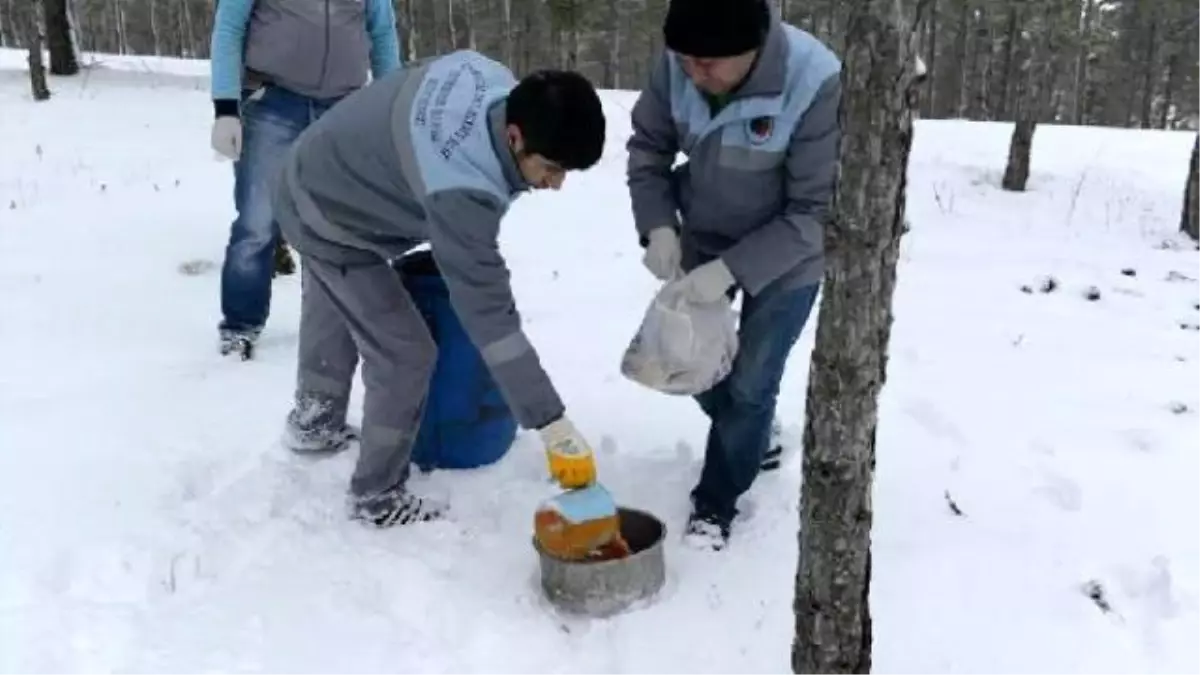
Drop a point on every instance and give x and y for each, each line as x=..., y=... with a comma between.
x=607, y=587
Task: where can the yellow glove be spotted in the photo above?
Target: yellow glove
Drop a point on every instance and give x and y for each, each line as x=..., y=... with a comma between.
x=568, y=455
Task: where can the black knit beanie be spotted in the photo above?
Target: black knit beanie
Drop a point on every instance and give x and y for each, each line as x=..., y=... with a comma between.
x=716, y=28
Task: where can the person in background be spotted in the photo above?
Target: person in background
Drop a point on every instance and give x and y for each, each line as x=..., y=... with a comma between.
x=432, y=154
x=278, y=65
x=753, y=104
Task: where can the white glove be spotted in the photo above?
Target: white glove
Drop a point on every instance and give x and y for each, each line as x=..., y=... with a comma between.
x=708, y=282
x=663, y=253
x=227, y=137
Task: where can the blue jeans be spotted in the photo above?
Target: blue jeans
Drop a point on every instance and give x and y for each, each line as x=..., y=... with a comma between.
x=742, y=406
x=272, y=118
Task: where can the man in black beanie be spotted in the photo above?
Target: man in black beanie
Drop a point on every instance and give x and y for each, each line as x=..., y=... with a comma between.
x=753, y=105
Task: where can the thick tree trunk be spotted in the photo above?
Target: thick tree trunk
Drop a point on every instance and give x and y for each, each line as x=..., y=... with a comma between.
x=37, y=68
x=63, y=59
x=1016, y=174
x=1190, y=220
x=849, y=363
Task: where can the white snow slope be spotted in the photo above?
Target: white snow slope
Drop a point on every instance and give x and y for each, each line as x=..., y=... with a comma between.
x=149, y=520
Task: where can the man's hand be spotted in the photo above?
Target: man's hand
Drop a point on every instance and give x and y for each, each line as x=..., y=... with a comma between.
x=227, y=136
x=568, y=455
x=708, y=282
x=663, y=254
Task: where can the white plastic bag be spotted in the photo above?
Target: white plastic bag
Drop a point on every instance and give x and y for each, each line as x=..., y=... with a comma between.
x=682, y=348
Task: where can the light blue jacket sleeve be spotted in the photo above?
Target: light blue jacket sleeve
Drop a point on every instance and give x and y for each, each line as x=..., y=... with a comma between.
x=385, y=44
x=228, y=43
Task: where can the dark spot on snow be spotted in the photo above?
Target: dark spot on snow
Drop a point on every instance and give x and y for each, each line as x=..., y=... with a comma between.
x=12, y=206
x=1092, y=293
x=1045, y=284
x=1187, y=325
x=1129, y=272
x=194, y=268
x=1095, y=591
x=1179, y=407
x=1178, y=276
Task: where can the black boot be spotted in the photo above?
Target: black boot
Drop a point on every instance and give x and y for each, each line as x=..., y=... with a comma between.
x=285, y=265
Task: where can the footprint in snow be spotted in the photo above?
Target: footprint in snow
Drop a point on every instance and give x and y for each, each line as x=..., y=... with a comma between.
x=1155, y=597
x=1060, y=491
x=925, y=413
x=1141, y=440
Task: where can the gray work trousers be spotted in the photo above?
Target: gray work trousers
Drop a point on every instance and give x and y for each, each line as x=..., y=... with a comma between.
x=346, y=312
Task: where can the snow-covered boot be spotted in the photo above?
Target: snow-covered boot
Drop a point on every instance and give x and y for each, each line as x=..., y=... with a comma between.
x=707, y=531
x=319, y=441
x=315, y=425
x=240, y=342
x=397, y=507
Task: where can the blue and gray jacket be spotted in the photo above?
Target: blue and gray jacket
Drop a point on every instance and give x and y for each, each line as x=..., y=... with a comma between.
x=760, y=172
x=421, y=156
x=316, y=48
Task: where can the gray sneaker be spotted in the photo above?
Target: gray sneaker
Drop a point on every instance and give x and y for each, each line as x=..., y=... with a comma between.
x=397, y=507
x=319, y=441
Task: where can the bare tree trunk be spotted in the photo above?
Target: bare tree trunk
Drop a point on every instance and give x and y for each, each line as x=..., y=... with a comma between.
x=1189, y=222
x=31, y=21
x=833, y=577
x=1016, y=173
x=1149, y=72
x=961, y=69
x=508, y=34
x=154, y=33
x=1001, y=105
x=453, y=32
x=1078, y=110
x=931, y=101
x=469, y=12
x=63, y=59
x=413, y=35
x=189, y=29
x=1168, y=98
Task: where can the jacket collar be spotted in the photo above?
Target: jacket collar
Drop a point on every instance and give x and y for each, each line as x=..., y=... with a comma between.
x=497, y=125
x=767, y=76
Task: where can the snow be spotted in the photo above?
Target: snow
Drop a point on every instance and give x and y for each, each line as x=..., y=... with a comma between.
x=149, y=520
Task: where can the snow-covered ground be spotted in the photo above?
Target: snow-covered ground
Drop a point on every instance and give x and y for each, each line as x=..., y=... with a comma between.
x=149, y=521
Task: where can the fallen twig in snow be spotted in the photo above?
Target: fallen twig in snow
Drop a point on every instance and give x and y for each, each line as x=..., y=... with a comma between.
x=953, y=506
